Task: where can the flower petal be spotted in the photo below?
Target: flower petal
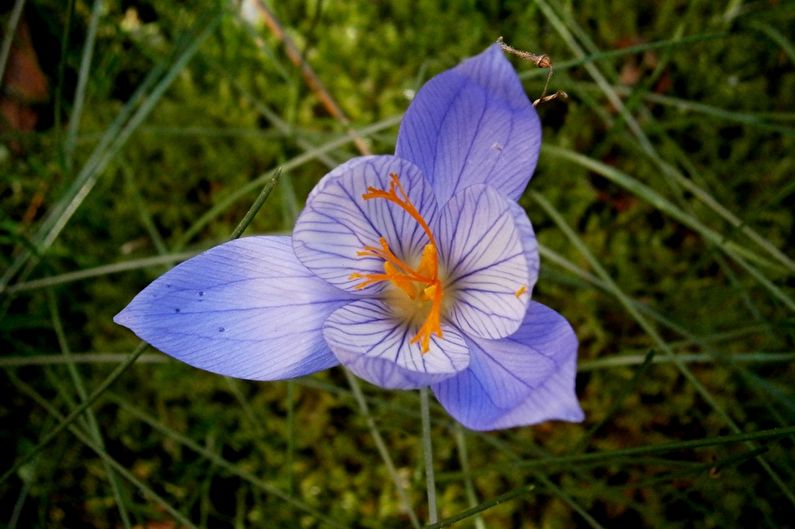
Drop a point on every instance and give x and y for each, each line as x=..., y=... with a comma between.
x=524, y=379
x=371, y=342
x=482, y=256
x=337, y=222
x=246, y=309
x=529, y=244
x=473, y=124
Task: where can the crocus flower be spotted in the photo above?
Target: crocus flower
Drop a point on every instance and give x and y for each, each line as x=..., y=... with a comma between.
x=410, y=270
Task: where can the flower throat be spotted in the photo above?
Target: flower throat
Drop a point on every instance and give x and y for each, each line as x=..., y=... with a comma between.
x=419, y=284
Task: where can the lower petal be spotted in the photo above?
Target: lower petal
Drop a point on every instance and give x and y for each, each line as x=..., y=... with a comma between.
x=524, y=379
x=369, y=340
x=245, y=309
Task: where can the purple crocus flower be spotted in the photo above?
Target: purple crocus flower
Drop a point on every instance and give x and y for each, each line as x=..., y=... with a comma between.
x=410, y=270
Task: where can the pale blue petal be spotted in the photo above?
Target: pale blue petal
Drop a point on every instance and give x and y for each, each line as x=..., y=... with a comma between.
x=483, y=263
x=245, y=309
x=529, y=243
x=337, y=222
x=370, y=341
x=473, y=124
x=524, y=379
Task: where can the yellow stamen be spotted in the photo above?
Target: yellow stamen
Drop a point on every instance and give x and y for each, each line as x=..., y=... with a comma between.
x=522, y=290
x=429, y=263
x=432, y=324
x=403, y=201
x=421, y=282
x=404, y=283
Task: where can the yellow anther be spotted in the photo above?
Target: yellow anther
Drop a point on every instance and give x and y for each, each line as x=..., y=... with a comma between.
x=430, y=292
x=429, y=263
x=522, y=289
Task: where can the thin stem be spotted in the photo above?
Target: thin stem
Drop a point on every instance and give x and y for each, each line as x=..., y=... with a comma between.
x=88, y=273
x=11, y=31
x=427, y=453
x=82, y=80
x=255, y=207
x=381, y=446
x=58, y=103
x=463, y=459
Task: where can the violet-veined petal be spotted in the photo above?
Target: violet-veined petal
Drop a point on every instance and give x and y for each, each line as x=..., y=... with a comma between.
x=523, y=379
x=367, y=338
x=473, y=124
x=337, y=222
x=484, y=263
x=529, y=244
x=246, y=309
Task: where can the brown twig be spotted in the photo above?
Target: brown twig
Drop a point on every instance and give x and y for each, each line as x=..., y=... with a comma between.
x=559, y=94
x=312, y=80
x=35, y=204
x=541, y=61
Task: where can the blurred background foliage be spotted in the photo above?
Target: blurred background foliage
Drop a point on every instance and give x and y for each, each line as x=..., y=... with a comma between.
x=134, y=132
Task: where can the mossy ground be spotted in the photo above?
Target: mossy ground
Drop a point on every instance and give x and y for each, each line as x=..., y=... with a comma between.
x=706, y=127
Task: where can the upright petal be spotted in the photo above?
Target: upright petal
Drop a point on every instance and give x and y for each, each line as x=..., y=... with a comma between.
x=473, y=124
x=337, y=222
x=523, y=379
x=245, y=309
x=484, y=262
x=371, y=342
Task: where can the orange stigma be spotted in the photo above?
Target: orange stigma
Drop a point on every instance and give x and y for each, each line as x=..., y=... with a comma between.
x=421, y=284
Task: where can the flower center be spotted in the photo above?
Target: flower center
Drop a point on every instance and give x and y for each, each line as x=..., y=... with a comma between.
x=418, y=290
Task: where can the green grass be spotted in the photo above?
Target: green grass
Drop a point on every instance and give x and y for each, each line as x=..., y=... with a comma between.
x=663, y=201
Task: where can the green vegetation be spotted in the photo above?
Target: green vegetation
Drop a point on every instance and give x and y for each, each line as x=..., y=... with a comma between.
x=664, y=201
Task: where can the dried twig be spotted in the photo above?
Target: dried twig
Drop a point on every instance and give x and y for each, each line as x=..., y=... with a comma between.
x=541, y=61
x=312, y=80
